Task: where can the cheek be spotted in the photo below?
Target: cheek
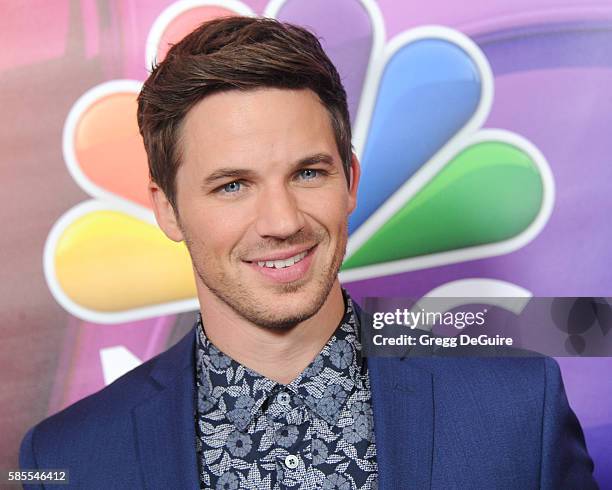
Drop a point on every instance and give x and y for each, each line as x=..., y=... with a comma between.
x=216, y=234
x=330, y=210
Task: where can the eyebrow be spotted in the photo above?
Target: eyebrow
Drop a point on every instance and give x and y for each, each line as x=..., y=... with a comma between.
x=234, y=173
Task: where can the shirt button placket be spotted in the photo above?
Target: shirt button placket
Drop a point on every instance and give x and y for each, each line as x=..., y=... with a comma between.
x=292, y=461
x=284, y=399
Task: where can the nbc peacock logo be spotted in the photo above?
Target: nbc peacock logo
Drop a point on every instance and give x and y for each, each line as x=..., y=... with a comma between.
x=436, y=187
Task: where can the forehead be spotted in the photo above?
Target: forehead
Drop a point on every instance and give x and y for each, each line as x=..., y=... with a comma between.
x=263, y=125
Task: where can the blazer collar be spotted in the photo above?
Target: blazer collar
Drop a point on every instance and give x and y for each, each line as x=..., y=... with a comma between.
x=402, y=402
x=403, y=406
x=164, y=423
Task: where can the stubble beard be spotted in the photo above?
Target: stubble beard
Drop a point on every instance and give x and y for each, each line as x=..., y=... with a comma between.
x=245, y=303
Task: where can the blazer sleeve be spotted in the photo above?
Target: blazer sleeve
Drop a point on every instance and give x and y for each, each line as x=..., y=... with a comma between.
x=566, y=463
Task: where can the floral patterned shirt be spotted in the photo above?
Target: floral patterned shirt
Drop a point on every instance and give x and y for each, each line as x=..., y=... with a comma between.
x=316, y=432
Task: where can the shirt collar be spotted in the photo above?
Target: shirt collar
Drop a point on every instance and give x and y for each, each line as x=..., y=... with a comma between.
x=323, y=386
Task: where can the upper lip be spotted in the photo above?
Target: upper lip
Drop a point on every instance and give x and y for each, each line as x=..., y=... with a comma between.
x=281, y=255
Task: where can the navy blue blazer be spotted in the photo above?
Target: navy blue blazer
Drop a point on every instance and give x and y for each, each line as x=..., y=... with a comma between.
x=439, y=423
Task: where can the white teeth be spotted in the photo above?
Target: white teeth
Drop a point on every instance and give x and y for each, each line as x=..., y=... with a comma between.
x=279, y=264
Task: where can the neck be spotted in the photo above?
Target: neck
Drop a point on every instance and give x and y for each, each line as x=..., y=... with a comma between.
x=280, y=355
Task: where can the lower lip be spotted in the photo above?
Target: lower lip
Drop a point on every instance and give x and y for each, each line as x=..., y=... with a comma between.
x=287, y=274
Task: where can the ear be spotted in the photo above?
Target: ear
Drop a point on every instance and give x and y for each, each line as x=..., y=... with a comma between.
x=355, y=174
x=164, y=212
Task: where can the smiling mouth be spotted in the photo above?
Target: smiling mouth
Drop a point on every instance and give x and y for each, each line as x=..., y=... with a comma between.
x=282, y=263
x=285, y=270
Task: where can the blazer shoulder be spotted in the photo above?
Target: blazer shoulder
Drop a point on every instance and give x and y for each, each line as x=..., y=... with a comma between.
x=109, y=410
x=512, y=384
x=530, y=367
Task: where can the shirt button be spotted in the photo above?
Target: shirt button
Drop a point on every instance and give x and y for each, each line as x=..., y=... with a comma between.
x=292, y=461
x=283, y=398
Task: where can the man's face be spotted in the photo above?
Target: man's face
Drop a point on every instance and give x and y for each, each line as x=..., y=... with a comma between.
x=261, y=181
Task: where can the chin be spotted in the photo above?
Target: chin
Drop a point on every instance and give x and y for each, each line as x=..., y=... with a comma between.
x=287, y=310
x=284, y=319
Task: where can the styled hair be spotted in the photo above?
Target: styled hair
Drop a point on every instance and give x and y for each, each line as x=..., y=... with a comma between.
x=233, y=53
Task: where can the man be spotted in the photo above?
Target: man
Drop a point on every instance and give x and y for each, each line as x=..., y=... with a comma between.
x=247, y=131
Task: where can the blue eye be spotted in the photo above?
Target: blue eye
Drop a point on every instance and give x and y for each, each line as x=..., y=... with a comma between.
x=232, y=187
x=308, y=173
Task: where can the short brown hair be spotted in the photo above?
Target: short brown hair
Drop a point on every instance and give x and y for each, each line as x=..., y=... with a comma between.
x=233, y=53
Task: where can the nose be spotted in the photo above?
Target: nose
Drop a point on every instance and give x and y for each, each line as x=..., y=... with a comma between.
x=278, y=214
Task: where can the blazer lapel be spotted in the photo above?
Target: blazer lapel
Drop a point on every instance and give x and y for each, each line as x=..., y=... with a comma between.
x=402, y=401
x=164, y=423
